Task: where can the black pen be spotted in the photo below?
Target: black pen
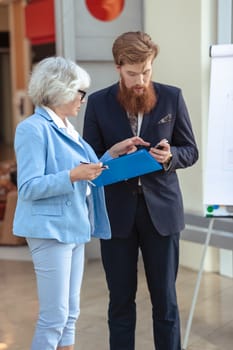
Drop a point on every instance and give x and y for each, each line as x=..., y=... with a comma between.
x=103, y=166
x=89, y=181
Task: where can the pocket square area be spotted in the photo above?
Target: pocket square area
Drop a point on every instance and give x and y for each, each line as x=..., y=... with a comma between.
x=165, y=119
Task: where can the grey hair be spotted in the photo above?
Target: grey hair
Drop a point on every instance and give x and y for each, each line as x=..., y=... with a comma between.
x=55, y=81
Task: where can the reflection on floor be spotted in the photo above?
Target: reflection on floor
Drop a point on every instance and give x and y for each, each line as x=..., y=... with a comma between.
x=212, y=327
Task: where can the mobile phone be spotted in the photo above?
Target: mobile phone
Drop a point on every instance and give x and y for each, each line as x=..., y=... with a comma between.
x=159, y=147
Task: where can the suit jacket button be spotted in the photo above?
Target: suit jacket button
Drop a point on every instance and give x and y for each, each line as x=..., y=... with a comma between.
x=68, y=203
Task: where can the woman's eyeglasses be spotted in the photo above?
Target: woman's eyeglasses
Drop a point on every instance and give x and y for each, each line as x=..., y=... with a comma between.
x=82, y=94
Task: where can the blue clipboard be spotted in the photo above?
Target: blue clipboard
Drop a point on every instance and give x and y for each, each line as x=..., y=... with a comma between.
x=126, y=167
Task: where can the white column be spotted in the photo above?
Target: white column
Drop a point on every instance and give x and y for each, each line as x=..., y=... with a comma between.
x=65, y=28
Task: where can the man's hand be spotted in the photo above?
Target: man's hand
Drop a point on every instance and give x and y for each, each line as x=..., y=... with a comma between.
x=127, y=146
x=161, y=152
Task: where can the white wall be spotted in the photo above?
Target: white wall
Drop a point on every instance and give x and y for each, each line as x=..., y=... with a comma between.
x=184, y=30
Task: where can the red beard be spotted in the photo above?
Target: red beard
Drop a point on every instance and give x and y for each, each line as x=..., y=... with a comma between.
x=135, y=104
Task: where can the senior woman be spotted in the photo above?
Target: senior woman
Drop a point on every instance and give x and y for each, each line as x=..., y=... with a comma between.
x=58, y=209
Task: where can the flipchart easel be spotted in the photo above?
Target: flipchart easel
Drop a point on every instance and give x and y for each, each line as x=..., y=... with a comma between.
x=218, y=189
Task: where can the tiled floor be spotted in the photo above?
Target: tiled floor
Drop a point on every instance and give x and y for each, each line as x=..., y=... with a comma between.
x=212, y=327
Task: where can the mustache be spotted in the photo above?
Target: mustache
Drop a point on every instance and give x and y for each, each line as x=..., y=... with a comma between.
x=138, y=87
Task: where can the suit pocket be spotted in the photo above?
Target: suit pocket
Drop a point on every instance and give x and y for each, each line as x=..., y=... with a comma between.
x=50, y=207
x=166, y=119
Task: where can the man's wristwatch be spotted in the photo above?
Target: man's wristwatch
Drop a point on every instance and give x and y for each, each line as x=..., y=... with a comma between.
x=169, y=158
x=167, y=165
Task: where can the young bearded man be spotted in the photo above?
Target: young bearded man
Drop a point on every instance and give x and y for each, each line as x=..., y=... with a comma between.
x=145, y=213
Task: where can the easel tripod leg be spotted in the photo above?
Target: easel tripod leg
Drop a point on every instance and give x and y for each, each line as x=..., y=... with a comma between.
x=196, y=290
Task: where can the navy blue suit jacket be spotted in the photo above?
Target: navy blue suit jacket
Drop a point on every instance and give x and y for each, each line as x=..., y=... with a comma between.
x=106, y=123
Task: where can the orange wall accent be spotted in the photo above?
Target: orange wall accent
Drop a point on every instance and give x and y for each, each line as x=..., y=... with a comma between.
x=105, y=10
x=40, y=23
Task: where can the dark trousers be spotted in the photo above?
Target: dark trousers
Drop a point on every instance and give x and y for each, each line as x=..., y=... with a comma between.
x=160, y=257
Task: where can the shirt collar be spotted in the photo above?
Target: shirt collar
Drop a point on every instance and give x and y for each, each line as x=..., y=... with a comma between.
x=61, y=125
x=57, y=120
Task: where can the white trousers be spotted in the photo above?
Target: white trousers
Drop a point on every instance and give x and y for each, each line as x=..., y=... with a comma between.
x=59, y=271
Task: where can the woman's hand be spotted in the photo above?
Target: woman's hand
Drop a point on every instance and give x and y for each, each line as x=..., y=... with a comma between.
x=86, y=172
x=127, y=146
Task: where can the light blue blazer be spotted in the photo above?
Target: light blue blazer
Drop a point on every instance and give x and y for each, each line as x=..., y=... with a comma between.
x=49, y=204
